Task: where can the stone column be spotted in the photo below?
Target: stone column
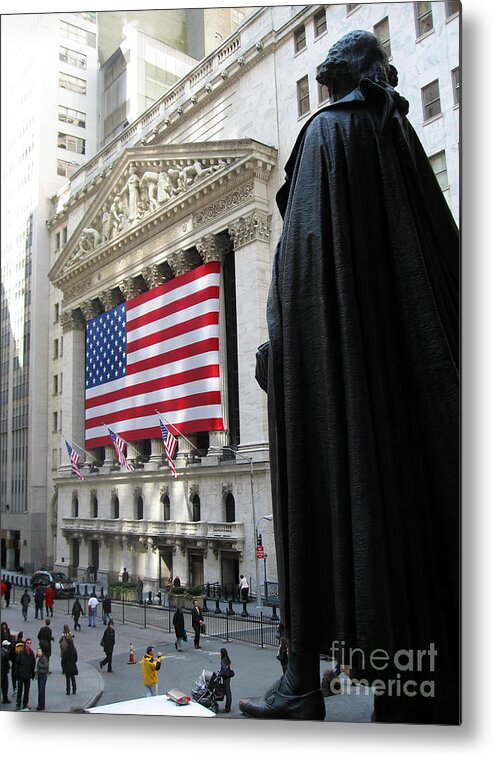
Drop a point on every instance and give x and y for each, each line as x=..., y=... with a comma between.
x=156, y=456
x=73, y=326
x=251, y=236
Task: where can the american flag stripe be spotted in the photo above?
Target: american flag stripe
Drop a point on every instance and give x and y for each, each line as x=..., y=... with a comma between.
x=120, y=445
x=160, y=351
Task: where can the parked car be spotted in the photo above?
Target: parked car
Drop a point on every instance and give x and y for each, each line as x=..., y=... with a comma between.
x=61, y=583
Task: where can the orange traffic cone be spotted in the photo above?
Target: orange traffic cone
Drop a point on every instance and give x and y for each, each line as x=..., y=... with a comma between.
x=131, y=659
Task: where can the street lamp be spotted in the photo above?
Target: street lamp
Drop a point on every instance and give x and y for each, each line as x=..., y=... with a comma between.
x=257, y=567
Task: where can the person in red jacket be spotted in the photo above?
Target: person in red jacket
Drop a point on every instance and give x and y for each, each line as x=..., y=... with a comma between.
x=49, y=600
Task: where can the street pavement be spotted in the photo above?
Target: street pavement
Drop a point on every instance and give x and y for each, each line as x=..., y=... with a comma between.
x=255, y=667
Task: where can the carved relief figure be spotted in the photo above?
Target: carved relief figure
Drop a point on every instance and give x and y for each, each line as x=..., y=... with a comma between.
x=116, y=216
x=89, y=240
x=132, y=188
x=149, y=183
x=106, y=223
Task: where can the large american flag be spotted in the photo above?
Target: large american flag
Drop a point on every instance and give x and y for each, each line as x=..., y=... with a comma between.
x=170, y=445
x=156, y=352
x=74, y=461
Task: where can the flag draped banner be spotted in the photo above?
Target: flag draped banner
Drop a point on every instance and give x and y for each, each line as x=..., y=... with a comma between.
x=159, y=350
x=170, y=445
x=74, y=461
x=120, y=446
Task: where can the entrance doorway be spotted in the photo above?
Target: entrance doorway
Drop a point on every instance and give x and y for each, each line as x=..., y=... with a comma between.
x=196, y=570
x=230, y=572
x=74, y=557
x=165, y=567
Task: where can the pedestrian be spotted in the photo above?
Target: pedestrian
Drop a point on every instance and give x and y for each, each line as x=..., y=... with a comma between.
x=108, y=644
x=140, y=589
x=282, y=654
x=69, y=664
x=107, y=609
x=64, y=638
x=25, y=600
x=15, y=649
x=42, y=671
x=5, y=667
x=3, y=589
x=149, y=669
x=92, y=606
x=197, y=623
x=49, y=600
x=77, y=611
x=244, y=589
x=179, y=626
x=45, y=637
x=5, y=634
x=39, y=598
x=25, y=672
x=364, y=302
x=8, y=589
x=226, y=672
x=125, y=576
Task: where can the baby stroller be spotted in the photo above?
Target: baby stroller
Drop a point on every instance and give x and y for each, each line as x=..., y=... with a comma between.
x=208, y=690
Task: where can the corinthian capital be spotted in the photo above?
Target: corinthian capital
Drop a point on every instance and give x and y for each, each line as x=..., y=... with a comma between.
x=110, y=298
x=213, y=248
x=250, y=228
x=130, y=288
x=90, y=309
x=181, y=262
x=154, y=275
x=72, y=320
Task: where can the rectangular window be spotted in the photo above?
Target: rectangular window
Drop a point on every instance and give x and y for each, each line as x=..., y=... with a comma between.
x=320, y=23
x=456, y=85
x=382, y=31
x=72, y=57
x=439, y=165
x=55, y=348
x=73, y=83
x=56, y=316
x=55, y=421
x=299, y=39
x=69, y=142
x=303, y=96
x=323, y=93
x=55, y=384
x=431, y=100
x=71, y=116
x=77, y=34
x=64, y=168
x=424, y=18
x=451, y=8
x=57, y=242
x=64, y=236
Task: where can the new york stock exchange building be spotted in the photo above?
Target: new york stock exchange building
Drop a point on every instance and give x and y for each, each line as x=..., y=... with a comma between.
x=159, y=296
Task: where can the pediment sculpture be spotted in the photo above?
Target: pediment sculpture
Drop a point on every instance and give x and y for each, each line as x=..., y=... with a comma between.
x=142, y=192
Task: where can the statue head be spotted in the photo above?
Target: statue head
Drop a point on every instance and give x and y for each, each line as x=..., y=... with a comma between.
x=357, y=55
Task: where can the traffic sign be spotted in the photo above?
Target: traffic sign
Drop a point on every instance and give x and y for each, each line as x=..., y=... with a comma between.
x=259, y=553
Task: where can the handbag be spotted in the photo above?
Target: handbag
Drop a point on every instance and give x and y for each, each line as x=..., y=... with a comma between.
x=202, y=627
x=231, y=673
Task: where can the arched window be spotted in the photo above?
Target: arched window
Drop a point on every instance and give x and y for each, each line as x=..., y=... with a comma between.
x=230, y=508
x=75, y=506
x=140, y=508
x=115, y=507
x=196, y=508
x=94, y=507
x=166, y=507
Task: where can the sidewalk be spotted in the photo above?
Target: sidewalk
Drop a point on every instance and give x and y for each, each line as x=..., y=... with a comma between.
x=255, y=668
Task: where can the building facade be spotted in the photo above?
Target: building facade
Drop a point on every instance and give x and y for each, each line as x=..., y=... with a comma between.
x=222, y=134
x=54, y=67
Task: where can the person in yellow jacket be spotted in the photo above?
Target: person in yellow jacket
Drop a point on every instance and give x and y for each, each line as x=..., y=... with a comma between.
x=150, y=667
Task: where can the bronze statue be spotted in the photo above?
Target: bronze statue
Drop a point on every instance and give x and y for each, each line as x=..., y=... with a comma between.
x=361, y=371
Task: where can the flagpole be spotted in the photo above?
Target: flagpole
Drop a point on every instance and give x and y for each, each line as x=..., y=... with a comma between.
x=73, y=444
x=168, y=423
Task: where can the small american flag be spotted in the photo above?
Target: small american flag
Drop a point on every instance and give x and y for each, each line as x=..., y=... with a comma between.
x=170, y=445
x=74, y=461
x=120, y=445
